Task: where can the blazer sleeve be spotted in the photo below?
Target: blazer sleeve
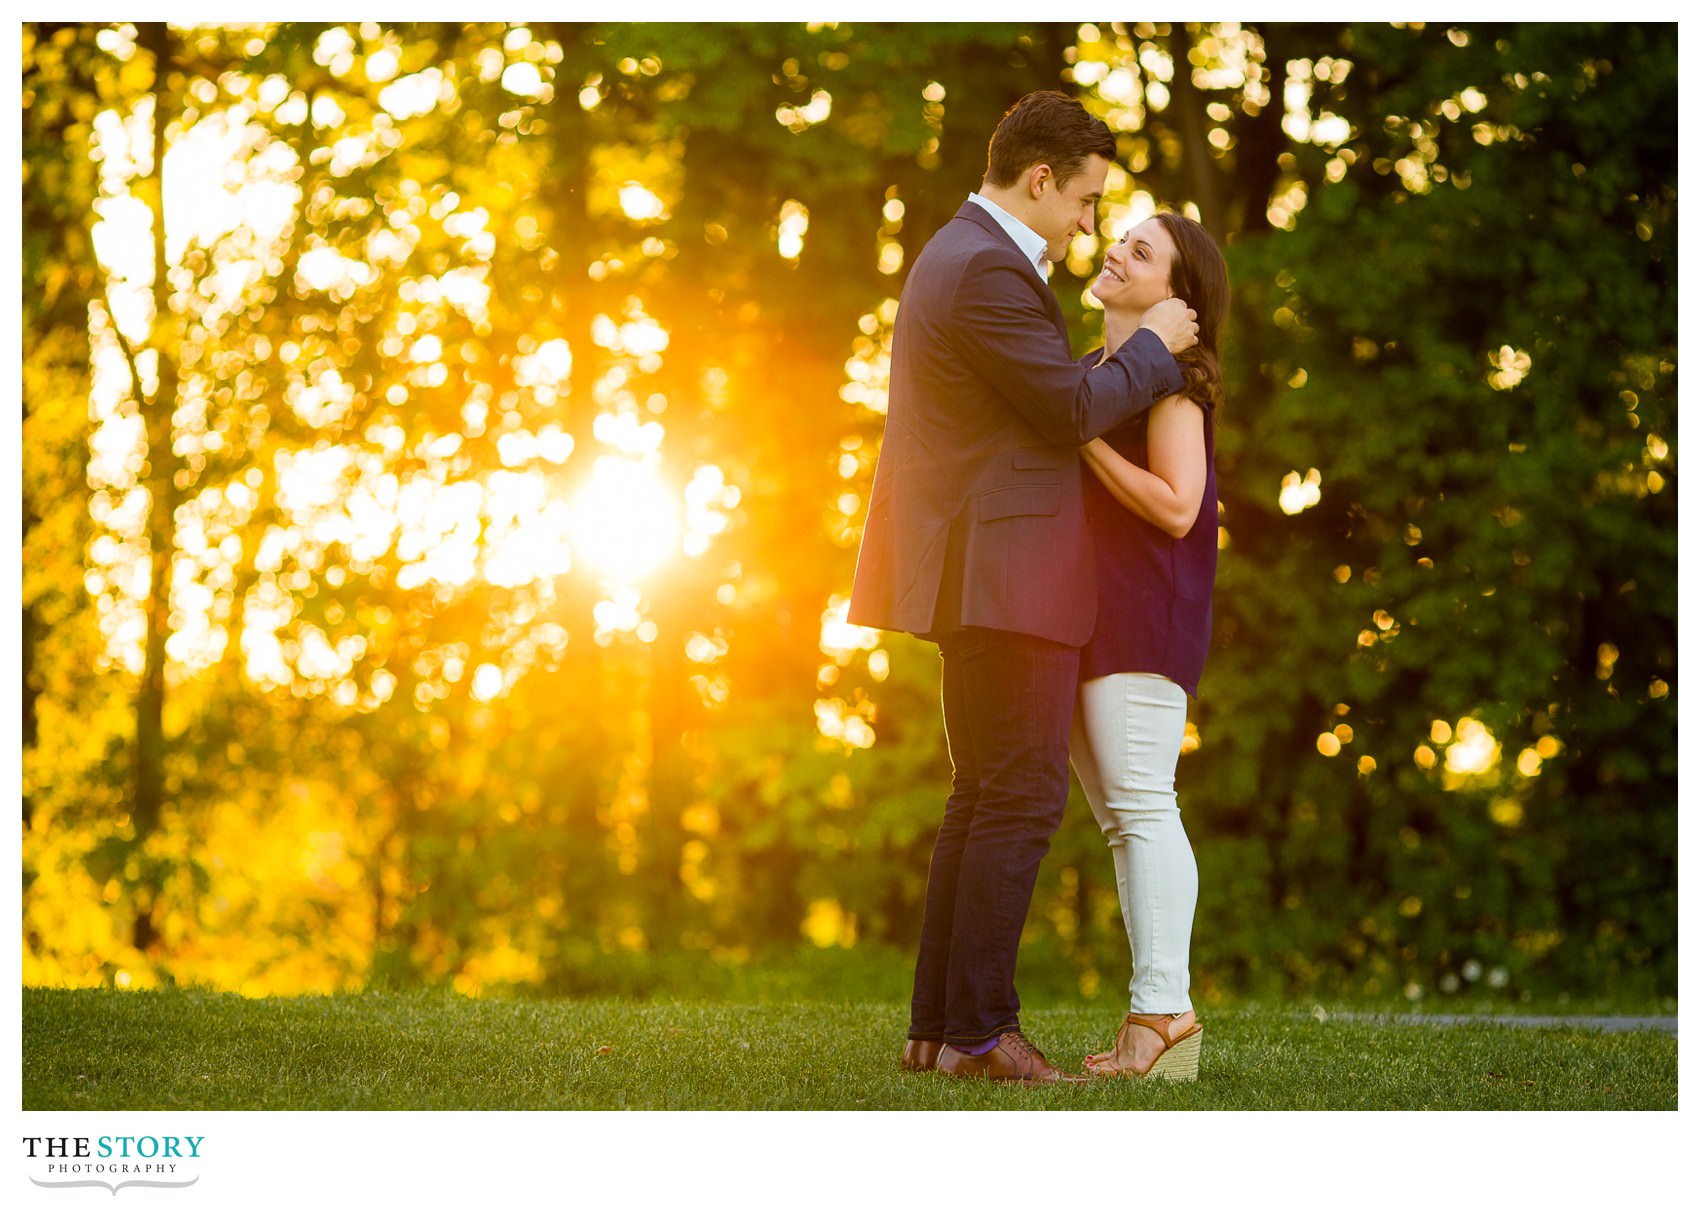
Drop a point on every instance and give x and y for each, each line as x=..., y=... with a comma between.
x=998, y=323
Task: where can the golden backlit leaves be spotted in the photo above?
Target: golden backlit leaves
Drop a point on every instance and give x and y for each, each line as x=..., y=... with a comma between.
x=415, y=95
x=639, y=182
x=518, y=506
x=621, y=814
x=709, y=502
x=828, y=925
x=849, y=722
x=273, y=871
x=1474, y=750
x=232, y=188
x=1103, y=62
x=641, y=204
x=798, y=118
x=1510, y=367
x=890, y=258
x=1331, y=742
x=1285, y=206
x=790, y=228
x=840, y=639
x=694, y=858
x=1506, y=812
x=868, y=369
x=1466, y=754
x=1299, y=493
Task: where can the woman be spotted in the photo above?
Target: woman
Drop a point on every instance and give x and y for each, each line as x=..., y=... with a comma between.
x=1152, y=507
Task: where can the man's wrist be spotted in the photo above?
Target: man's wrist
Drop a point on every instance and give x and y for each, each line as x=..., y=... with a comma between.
x=1168, y=367
x=1154, y=337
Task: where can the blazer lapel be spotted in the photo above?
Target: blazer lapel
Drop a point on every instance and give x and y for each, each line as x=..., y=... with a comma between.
x=977, y=215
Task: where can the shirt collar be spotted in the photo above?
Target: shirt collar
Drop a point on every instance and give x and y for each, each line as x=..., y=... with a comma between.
x=1030, y=242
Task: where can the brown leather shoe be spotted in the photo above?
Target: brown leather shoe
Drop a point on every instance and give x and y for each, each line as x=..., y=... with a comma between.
x=921, y=1055
x=1015, y=1059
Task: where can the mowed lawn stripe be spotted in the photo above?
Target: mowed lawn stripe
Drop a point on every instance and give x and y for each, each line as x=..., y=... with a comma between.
x=96, y=1049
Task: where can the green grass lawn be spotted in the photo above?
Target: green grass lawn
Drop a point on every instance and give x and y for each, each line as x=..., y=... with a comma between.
x=92, y=1049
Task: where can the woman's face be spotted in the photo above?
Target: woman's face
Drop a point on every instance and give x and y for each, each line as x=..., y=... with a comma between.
x=1135, y=275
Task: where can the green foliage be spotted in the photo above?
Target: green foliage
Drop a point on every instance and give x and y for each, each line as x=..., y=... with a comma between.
x=1501, y=555
x=1459, y=308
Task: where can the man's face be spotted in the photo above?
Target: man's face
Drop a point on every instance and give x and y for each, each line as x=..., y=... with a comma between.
x=1061, y=211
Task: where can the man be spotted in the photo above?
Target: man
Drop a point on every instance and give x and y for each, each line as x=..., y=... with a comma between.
x=976, y=539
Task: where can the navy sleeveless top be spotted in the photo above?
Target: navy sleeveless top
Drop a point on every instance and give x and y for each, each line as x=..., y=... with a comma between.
x=1153, y=590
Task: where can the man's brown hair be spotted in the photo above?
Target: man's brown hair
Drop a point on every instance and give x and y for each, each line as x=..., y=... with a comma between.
x=1046, y=128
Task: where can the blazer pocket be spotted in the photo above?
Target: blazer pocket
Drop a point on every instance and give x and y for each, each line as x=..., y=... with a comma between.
x=1020, y=500
x=1030, y=458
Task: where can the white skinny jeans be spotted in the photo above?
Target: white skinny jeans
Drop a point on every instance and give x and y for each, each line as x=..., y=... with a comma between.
x=1124, y=745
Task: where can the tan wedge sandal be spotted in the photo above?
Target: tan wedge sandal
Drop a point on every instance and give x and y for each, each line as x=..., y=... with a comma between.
x=1177, y=1062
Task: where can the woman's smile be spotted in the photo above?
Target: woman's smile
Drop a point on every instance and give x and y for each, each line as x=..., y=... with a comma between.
x=1135, y=272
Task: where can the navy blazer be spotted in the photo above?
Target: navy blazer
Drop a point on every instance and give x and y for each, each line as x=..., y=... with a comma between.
x=976, y=516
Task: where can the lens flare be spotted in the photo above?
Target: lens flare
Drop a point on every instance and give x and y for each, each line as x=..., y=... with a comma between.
x=626, y=520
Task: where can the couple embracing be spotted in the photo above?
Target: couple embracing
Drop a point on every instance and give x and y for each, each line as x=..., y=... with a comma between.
x=1071, y=610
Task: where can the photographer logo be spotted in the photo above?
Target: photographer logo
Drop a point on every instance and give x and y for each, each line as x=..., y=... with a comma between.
x=113, y=1162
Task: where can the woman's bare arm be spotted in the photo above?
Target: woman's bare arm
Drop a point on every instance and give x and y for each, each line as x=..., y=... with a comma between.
x=1169, y=495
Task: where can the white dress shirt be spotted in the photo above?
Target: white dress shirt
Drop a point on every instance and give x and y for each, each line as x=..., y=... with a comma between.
x=1026, y=239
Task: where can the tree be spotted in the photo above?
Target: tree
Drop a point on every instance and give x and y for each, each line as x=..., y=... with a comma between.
x=458, y=490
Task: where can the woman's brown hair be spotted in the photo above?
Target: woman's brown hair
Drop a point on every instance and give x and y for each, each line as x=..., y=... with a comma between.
x=1199, y=277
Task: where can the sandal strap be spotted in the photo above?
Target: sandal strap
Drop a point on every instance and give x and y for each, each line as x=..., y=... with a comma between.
x=1159, y=1023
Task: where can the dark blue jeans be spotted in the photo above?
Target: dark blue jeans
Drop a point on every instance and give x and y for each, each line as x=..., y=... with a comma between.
x=1008, y=704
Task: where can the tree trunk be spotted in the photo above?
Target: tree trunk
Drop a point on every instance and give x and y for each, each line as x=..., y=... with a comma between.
x=164, y=492
x=1203, y=176
x=1261, y=140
